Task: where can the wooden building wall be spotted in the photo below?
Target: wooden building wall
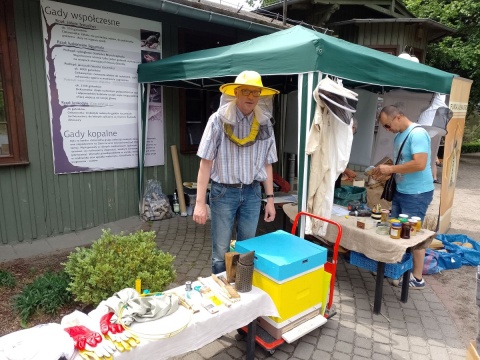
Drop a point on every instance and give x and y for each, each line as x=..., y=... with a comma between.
x=384, y=36
x=36, y=203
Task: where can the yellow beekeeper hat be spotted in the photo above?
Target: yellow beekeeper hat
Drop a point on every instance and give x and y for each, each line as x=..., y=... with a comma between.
x=250, y=78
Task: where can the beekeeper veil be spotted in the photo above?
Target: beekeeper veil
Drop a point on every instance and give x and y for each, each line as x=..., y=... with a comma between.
x=341, y=102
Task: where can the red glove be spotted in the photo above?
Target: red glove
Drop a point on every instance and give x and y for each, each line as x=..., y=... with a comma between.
x=83, y=336
x=107, y=326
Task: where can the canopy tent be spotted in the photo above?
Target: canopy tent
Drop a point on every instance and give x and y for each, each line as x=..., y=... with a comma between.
x=296, y=51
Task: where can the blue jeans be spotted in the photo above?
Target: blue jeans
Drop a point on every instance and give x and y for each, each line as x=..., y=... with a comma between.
x=228, y=204
x=411, y=204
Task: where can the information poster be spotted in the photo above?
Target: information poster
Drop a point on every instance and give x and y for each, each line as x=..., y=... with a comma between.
x=91, y=63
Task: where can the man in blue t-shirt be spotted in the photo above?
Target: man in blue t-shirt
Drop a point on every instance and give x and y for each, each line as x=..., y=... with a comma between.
x=413, y=176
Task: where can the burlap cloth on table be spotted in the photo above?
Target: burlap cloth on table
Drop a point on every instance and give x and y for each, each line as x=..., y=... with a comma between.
x=367, y=241
x=375, y=246
x=431, y=218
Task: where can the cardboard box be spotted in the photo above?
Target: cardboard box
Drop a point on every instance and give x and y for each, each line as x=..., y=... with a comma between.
x=277, y=330
x=472, y=353
x=281, y=255
x=386, y=160
x=353, y=182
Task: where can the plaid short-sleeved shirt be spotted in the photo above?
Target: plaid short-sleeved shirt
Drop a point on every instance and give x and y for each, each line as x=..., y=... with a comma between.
x=233, y=164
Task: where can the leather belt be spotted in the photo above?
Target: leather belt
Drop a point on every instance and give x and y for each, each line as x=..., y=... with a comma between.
x=237, y=186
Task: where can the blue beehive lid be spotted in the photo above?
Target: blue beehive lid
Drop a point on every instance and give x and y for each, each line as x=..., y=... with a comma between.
x=281, y=255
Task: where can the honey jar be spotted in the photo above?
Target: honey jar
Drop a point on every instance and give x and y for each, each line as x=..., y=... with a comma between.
x=395, y=229
x=413, y=226
x=419, y=223
x=385, y=213
x=405, y=231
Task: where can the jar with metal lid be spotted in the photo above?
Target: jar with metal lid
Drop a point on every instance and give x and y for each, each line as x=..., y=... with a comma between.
x=413, y=226
x=395, y=229
x=385, y=213
x=419, y=223
x=405, y=232
x=403, y=218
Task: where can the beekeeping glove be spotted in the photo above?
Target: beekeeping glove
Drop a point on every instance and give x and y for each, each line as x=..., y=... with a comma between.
x=121, y=338
x=79, y=326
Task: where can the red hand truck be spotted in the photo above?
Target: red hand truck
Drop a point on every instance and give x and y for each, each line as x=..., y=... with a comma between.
x=265, y=340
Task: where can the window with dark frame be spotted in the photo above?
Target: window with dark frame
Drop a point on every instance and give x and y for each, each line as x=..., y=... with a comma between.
x=196, y=106
x=13, y=142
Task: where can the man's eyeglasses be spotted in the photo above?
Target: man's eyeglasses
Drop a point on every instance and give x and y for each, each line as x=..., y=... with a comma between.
x=255, y=93
x=389, y=125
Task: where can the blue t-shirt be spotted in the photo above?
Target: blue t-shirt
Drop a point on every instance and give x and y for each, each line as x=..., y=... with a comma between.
x=418, y=142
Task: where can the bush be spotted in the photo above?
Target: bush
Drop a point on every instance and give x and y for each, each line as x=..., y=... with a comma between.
x=7, y=279
x=114, y=262
x=470, y=148
x=48, y=293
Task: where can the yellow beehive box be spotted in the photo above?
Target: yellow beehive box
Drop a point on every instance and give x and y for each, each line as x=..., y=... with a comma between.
x=296, y=294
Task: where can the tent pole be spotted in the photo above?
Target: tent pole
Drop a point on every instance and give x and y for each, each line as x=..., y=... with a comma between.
x=143, y=103
x=306, y=106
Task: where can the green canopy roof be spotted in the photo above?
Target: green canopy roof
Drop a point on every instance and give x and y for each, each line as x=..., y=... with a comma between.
x=294, y=51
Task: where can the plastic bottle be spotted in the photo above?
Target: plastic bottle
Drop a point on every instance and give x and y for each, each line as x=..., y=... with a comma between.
x=176, y=205
x=193, y=297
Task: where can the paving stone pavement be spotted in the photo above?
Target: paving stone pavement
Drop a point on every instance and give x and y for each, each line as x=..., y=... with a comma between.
x=420, y=329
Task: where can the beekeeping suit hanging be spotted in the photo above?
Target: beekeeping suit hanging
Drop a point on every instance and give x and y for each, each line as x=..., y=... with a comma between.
x=329, y=143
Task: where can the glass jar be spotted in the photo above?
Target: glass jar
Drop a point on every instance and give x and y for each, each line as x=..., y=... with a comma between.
x=405, y=232
x=413, y=226
x=395, y=229
x=403, y=218
x=419, y=223
x=385, y=213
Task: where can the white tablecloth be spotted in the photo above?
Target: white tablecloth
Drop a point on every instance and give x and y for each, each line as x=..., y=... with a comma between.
x=204, y=327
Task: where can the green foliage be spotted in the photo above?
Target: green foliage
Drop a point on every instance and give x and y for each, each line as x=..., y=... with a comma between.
x=114, y=262
x=459, y=53
x=258, y=3
x=469, y=148
x=7, y=279
x=472, y=128
x=48, y=293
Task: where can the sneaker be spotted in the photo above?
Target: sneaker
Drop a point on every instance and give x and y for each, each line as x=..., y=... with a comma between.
x=413, y=283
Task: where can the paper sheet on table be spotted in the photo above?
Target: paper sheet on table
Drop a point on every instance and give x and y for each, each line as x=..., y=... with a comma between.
x=339, y=210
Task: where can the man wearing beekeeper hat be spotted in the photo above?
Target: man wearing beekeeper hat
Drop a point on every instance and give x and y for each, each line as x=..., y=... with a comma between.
x=237, y=151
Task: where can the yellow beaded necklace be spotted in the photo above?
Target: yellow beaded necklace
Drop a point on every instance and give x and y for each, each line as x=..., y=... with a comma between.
x=247, y=140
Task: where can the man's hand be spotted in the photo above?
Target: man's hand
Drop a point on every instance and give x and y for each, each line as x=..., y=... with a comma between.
x=200, y=214
x=382, y=170
x=269, y=211
x=350, y=173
